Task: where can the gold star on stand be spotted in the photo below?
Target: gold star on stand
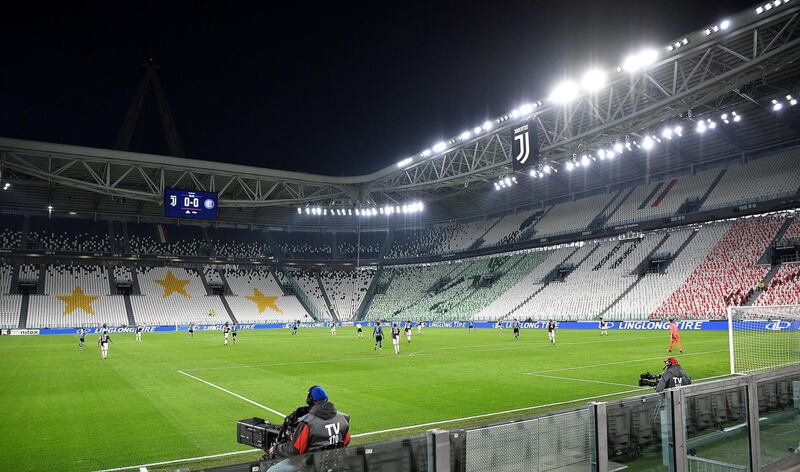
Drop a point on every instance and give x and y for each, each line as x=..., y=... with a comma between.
x=263, y=301
x=77, y=300
x=173, y=284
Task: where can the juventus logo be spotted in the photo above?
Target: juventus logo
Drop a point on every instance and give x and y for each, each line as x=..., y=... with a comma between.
x=522, y=135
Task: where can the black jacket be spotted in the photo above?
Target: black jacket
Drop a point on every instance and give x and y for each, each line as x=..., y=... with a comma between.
x=673, y=376
x=322, y=428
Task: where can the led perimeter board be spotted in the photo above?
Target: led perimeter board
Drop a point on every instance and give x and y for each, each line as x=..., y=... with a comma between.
x=189, y=204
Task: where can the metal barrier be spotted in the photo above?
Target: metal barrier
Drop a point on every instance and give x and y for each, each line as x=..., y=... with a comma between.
x=698, y=464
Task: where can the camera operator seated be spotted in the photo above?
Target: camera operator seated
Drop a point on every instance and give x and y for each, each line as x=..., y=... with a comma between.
x=673, y=376
x=321, y=428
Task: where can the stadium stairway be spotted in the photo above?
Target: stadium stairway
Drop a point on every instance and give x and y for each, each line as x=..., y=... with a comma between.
x=765, y=258
x=546, y=281
x=23, y=311
x=275, y=277
x=479, y=240
x=202, y=276
x=135, y=287
x=228, y=309
x=680, y=249
x=129, y=310
x=328, y=305
x=226, y=286
x=42, y=278
x=303, y=299
x=711, y=188
x=26, y=224
x=273, y=246
x=366, y=302
x=638, y=272
x=14, y=288
x=112, y=282
x=767, y=279
x=112, y=240
x=530, y=231
x=603, y=215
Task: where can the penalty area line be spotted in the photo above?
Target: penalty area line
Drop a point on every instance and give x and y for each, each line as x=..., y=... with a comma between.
x=582, y=380
x=177, y=461
x=234, y=394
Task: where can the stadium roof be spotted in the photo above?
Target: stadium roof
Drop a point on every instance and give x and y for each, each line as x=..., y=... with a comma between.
x=740, y=64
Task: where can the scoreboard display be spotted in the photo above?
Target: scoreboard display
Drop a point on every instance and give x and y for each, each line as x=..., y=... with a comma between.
x=190, y=204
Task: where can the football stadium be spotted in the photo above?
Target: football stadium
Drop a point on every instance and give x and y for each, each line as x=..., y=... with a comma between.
x=603, y=278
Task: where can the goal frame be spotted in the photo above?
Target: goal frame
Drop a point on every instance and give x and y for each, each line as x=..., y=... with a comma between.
x=729, y=313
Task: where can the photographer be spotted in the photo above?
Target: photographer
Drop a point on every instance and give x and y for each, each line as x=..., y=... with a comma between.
x=321, y=428
x=673, y=376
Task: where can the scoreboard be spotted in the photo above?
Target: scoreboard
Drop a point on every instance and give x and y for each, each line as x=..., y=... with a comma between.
x=189, y=204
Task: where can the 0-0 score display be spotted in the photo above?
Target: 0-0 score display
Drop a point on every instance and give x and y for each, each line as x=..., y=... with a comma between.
x=190, y=204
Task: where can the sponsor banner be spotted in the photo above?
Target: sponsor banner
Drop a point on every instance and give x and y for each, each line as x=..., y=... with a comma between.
x=643, y=325
x=21, y=332
x=525, y=146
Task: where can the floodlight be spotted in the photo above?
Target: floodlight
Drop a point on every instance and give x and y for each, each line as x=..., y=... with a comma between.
x=618, y=148
x=640, y=60
x=737, y=119
x=768, y=7
x=487, y=125
x=585, y=161
x=547, y=169
x=712, y=124
x=496, y=186
x=666, y=133
x=308, y=211
x=439, y=147
x=759, y=10
x=593, y=80
x=465, y=135
x=725, y=24
x=476, y=129
x=776, y=105
x=777, y=3
x=426, y=153
x=678, y=130
x=507, y=181
x=792, y=102
x=648, y=143
x=601, y=154
x=701, y=127
x=611, y=154
x=534, y=173
x=724, y=116
x=564, y=92
x=357, y=212
x=325, y=212
x=405, y=162
x=525, y=108
x=707, y=31
x=299, y=210
x=514, y=113
x=374, y=211
x=570, y=165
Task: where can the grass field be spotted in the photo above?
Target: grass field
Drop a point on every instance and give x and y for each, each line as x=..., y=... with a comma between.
x=67, y=409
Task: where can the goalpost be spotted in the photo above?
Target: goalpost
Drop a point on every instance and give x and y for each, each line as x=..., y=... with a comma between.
x=763, y=337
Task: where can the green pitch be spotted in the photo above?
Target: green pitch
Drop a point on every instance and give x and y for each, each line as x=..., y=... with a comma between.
x=67, y=409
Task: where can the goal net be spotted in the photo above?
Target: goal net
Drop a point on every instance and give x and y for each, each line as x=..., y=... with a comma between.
x=763, y=337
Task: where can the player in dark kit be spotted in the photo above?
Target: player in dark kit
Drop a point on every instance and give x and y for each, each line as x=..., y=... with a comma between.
x=103, y=343
x=551, y=331
x=138, y=333
x=470, y=326
x=396, y=338
x=234, y=332
x=515, y=328
x=294, y=327
x=377, y=333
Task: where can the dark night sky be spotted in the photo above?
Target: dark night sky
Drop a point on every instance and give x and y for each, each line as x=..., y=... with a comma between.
x=342, y=89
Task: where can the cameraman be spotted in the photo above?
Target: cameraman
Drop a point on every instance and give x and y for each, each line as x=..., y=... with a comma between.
x=321, y=428
x=673, y=376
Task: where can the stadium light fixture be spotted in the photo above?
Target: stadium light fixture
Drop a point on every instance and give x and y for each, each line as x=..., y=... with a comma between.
x=299, y=211
x=618, y=147
x=547, y=169
x=487, y=125
x=570, y=166
x=426, y=153
x=666, y=133
x=465, y=135
x=405, y=162
x=701, y=127
x=601, y=154
x=711, y=124
x=593, y=80
x=611, y=154
x=648, y=143
x=6, y=185
x=640, y=60
x=564, y=92
x=678, y=130
x=439, y=147
x=585, y=160
x=725, y=24
x=476, y=130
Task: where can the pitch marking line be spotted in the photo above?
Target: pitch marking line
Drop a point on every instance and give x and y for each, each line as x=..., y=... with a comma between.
x=235, y=394
x=390, y=430
x=579, y=367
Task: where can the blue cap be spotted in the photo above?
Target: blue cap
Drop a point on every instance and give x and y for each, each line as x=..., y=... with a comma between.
x=317, y=393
